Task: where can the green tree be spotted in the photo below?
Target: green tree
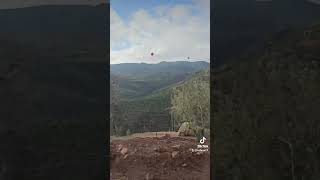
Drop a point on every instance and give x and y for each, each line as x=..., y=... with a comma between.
x=116, y=117
x=190, y=102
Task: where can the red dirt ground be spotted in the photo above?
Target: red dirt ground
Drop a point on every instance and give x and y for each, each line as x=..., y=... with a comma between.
x=158, y=158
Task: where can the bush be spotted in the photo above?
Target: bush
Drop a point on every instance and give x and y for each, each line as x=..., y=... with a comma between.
x=128, y=132
x=199, y=132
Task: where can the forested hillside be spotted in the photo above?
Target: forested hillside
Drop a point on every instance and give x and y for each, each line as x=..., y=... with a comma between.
x=266, y=111
x=140, y=79
x=151, y=112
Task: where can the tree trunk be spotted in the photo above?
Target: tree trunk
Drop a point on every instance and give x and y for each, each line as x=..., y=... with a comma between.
x=291, y=156
x=201, y=116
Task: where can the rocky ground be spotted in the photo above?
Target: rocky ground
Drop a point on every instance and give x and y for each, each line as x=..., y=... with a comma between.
x=159, y=158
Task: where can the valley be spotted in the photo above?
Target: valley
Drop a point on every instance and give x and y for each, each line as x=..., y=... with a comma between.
x=145, y=105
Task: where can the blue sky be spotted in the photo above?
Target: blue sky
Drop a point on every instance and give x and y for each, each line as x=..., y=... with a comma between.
x=125, y=8
x=171, y=29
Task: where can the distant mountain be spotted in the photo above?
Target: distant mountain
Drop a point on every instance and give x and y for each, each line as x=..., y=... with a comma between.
x=139, y=79
x=242, y=26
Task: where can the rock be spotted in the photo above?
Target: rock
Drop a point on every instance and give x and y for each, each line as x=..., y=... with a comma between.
x=160, y=149
x=185, y=130
x=176, y=146
x=184, y=165
x=174, y=154
x=120, y=146
x=125, y=156
x=124, y=151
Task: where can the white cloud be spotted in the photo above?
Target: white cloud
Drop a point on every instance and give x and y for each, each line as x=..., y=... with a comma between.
x=171, y=32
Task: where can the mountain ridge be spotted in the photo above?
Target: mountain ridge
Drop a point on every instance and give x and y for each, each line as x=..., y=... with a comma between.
x=139, y=79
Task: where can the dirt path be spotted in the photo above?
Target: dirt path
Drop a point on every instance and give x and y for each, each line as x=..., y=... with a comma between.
x=167, y=157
